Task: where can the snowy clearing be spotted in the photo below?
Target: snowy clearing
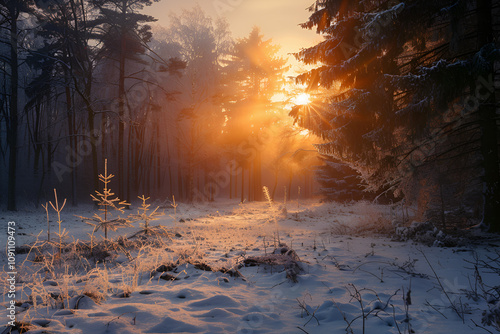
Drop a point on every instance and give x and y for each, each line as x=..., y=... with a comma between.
x=215, y=273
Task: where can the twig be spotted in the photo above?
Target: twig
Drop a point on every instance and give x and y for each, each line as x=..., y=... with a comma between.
x=481, y=326
x=435, y=309
x=453, y=306
x=59, y=221
x=313, y=316
x=303, y=306
x=394, y=316
x=359, y=298
x=118, y=317
x=344, y=317
x=46, y=207
x=277, y=284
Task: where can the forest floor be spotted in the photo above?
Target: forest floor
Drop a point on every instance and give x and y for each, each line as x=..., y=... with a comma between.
x=220, y=268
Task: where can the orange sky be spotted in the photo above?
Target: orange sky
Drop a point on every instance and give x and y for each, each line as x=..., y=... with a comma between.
x=278, y=19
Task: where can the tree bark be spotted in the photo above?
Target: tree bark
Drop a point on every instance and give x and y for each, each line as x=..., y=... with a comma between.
x=257, y=175
x=13, y=119
x=169, y=164
x=273, y=193
x=489, y=130
x=242, y=184
x=71, y=133
x=121, y=106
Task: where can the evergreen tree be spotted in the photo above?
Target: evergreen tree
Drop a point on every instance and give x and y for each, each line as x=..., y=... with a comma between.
x=64, y=64
x=339, y=182
x=10, y=15
x=395, y=69
x=254, y=74
x=124, y=36
x=203, y=43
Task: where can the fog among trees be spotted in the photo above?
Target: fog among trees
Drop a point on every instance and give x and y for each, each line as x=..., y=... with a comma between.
x=183, y=110
x=399, y=100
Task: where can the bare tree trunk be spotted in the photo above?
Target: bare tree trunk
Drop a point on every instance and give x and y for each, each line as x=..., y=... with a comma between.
x=156, y=141
x=236, y=186
x=230, y=186
x=91, y=118
x=190, y=178
x=13, y=119
x=242, y=184
x=72, y=139
x=139, y=154
x=130, y=161
x=250, y=187
x=190, y=175
x=48, y=124
x=104, y=136
x=257, y=176
x=275, y=185
x=180, y=175
x=121, y=108
x=489, y=129
x=170, y=185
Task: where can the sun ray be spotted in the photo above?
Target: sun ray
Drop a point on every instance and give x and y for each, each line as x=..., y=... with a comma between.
x=302, y=99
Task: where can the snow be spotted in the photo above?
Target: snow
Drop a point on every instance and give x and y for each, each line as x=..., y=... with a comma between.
x=350, y=277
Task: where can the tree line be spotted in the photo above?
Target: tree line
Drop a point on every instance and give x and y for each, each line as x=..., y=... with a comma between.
x=182, y=110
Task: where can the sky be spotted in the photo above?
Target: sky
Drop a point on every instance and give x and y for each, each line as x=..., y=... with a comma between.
x=277, y=19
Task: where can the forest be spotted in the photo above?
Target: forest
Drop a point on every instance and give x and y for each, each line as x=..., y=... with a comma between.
x=249, y=166
x=399, y=103
x=396, y=113
x=183, y=110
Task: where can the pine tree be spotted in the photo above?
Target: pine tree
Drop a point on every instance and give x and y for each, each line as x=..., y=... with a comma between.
x=254, y=74
x=65, y=65
x=400, y=76
x=107, y=203
x=146, y=215
x=124, y=36
x=339, y=182
x=203, y=44
x=10, y=15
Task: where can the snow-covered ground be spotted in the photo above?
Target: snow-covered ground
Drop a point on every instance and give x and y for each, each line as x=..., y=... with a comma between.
x=350, y=279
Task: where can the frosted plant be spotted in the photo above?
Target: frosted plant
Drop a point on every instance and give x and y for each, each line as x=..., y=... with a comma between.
x=174, y=205
x=46, y=207
x=106, y=201
x=145, y=216
x=273, y=212
x=268, y=196
x=58, y=209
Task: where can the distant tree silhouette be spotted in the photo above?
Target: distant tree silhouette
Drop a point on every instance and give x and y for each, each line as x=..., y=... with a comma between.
x=254, y=74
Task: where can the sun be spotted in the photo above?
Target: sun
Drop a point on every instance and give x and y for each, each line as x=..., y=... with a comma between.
x=302, y=99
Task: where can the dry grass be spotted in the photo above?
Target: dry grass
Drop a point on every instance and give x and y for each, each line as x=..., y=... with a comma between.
x=55, y=274
x=362, y=218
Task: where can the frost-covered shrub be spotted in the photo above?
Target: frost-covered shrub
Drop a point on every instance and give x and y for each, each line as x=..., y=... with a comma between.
x=491, y=317
x=426, y=233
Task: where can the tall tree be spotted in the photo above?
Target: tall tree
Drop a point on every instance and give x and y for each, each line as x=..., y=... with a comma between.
x=254, y=75
x=394, y=71
x=10, y=11
x=203, y=44
x=65, y=65
x=125, y=33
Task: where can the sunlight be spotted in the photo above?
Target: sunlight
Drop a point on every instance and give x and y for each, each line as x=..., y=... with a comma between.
x=302, y=99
